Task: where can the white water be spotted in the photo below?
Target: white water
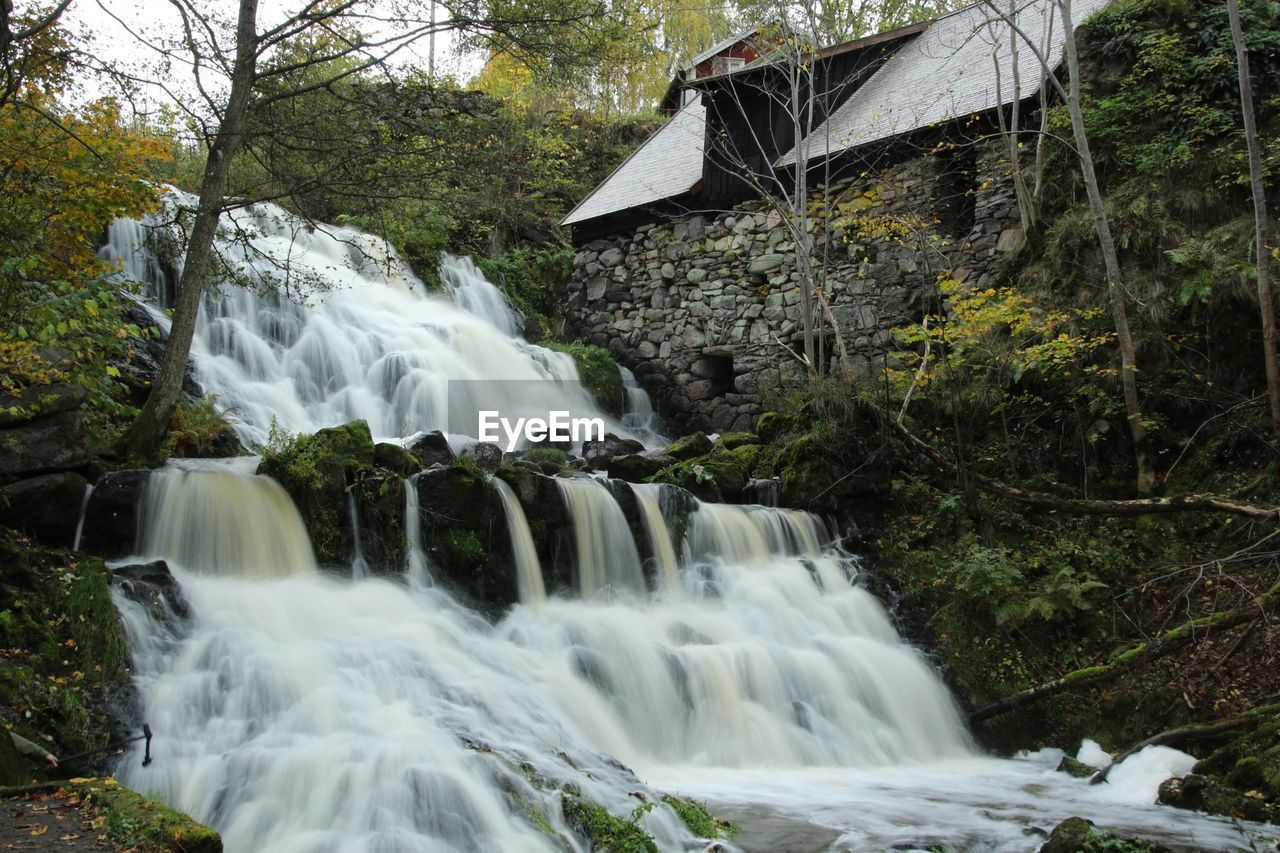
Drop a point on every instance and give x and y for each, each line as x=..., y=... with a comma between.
x=605, y=558
x=528, y=570
x=300, y=712
x=648, y=497
x=373, y=343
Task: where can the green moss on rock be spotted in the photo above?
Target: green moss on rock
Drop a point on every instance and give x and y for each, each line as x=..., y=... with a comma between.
x=134, y=822
x=607, y=833
x=598, y=371
x=700, y=821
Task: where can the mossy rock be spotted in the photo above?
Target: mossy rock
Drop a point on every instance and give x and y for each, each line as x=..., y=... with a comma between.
x=1207, y=794
x=465, y=536
x=690, y=447
x=63, y=675
x=540, y=455
x=771, y=426
x=395, y=458
x=698, y=819
x=737, y=439
x=1075, y=768
x=1077, y=835
x=606, y=832
x=132, y=821
x=636, y=467
x=316, y=471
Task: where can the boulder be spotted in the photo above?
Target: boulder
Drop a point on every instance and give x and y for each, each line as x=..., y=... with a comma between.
x=39, y=400
x=113, y=513
x=484, y=455
x=153, y=586
x=432, y=448
x=395, y=458
x=56, y=442
x=597, y=453
x=46, y=506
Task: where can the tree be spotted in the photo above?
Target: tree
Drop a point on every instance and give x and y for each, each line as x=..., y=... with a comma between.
x=1266, y=297
x=260, y=66
x=31, y=45
x=1117, y=299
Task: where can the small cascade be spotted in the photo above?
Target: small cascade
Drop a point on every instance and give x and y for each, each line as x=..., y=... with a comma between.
x=528, y=569
x=605, y=557
x=752, y=535
x=416, y=570
x=218, y=518
x=84, y=506
x=639, y=416
x=648, y=497
x=359, y=566
x=475, y=294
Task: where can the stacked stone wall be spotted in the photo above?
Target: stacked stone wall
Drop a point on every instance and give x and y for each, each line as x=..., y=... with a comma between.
x=704, y=307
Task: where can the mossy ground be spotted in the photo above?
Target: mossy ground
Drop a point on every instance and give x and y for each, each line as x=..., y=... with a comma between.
x=64, y=652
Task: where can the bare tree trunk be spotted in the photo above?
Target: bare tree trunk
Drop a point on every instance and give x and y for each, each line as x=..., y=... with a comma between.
x=1266, y=297
x=1115, y=293
x=148, y=431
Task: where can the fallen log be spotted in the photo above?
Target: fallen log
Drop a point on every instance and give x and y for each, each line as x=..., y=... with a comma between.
x=1204, y=730
x=1133, y=657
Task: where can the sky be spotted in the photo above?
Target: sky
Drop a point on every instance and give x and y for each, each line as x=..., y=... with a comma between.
x=111, y=41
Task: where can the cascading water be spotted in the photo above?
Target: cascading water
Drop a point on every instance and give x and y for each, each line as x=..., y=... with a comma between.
x=374, y=343
x=297, y=711
x=528, y=569
x=604, y=556
x=648, y=498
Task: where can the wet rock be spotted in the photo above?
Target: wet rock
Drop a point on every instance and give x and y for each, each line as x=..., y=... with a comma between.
x=465, y=536
x=153, y=586
x=38, y=401
x=597, y=453
x=113, y=514
x=1075, y=768
x=56, y=442
x=484, y=455
x=691, y=446
x=432, y=448
x=47, y=506
x=636, y=467
x=395, y=458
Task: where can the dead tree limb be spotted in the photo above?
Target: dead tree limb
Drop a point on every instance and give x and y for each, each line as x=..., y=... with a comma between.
x=1204, y=730
x=1133, y=657
x=1045, y=500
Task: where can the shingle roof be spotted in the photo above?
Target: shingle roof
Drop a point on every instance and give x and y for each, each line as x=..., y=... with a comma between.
x=948, y=71
x=667, y=164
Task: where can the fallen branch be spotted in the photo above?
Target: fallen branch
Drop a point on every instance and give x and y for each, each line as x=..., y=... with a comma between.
x=1204, y=730
x=1133, y=657
x=1045, y=500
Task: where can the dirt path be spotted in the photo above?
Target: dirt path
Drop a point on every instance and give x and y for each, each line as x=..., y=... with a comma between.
x=51, y=819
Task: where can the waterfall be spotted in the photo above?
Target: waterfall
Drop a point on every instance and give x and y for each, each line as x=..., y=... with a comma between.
x=639, y=416
x=334, y=327
x=300, y=712
x=217, y=518
x=528, y=569
x=604, y=555
x=359, y=565
x=658, y=534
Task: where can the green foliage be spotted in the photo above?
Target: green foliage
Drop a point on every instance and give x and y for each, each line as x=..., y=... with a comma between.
x=700, y=821
x=546, y=454
x=608, y=833
x=196, y=428
x=533, y=277
x=597, y=370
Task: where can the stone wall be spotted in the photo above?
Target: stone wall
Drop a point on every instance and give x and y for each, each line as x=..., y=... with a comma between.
x=701, y=307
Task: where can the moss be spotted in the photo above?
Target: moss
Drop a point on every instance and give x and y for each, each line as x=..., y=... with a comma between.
x=1077, y=835
x=131, y=820
x=68, y=654
x=608, y=833
x=598, y=372
x=316, y=471
x=737, y=439
x=690, y=447
x=1075, y=768
x=546, y=454
x=460, y=548
x=700, y=821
